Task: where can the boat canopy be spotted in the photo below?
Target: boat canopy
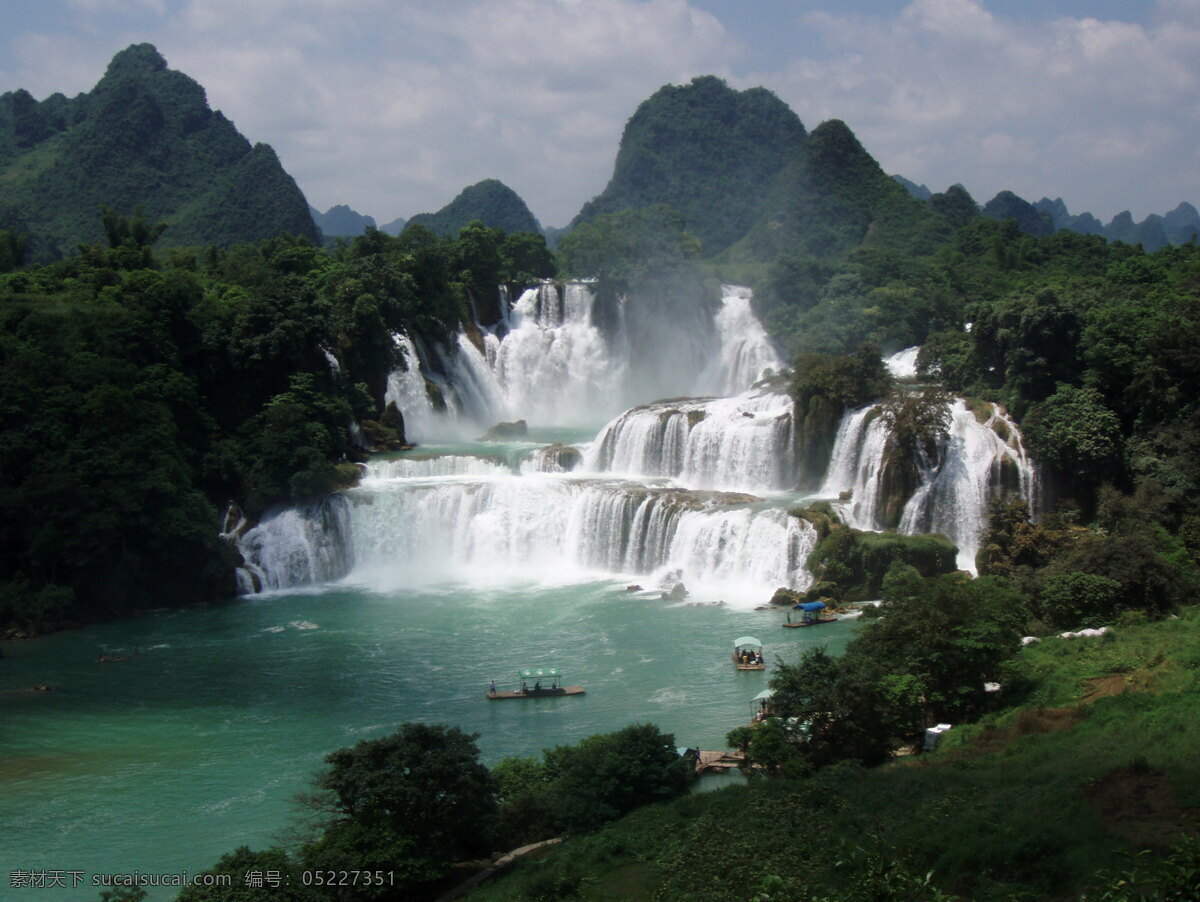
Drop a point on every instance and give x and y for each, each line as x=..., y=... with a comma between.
x=747, y=640
x=766, y=693
x=810, y=606
x=537, y=673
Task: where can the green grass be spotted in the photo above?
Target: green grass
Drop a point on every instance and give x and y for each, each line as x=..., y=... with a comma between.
x=1036, y=798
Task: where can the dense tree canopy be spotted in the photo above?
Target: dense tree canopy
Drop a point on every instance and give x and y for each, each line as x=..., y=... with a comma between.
x=142, y=393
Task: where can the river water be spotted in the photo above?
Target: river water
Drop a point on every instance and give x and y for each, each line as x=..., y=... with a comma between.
x=196, y=744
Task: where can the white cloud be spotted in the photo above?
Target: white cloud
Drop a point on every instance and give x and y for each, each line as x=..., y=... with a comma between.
x=948, y=91
x=119, y=7
x=394, y=108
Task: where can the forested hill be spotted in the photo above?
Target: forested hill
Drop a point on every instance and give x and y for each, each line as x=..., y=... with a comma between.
x=832, y=197
x=751, y=185
x=491, y=202
x=144, y=135
x=709, y=152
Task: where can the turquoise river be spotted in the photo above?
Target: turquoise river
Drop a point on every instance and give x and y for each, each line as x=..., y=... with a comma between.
x=198, y=743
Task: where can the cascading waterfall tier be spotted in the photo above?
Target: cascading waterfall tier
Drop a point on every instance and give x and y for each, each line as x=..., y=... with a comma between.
x=743, y=443
x=981, y=457
x=400, y=531
x=746, y=353
x=548, y=361
x=297, y=546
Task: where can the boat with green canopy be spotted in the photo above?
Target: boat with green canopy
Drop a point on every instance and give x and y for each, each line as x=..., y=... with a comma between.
x=536, y=682
x=761, y=704
x=747, y=654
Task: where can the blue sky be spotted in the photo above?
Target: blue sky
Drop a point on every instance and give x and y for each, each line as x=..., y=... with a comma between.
x=393, y=106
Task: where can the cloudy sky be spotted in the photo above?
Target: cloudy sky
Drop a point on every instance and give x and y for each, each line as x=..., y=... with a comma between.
x=394, y=106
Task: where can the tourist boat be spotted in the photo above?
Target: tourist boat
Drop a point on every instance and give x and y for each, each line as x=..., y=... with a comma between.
x=747, y=654
x=761, y=705
x=536, y=682
x=812, y=614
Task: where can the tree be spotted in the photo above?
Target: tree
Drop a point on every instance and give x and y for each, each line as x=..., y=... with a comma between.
x=1074, y=600
x=953, y=635
x=527, y=801
x=1075, y=431
x=423, y=782
x=608, y=775
x=836, y=707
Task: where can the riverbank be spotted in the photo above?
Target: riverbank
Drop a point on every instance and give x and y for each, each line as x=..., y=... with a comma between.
x=1093, y=761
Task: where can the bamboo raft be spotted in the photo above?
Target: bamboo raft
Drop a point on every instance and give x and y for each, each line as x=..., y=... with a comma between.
x=531, y=680
x=536, y=693
x=740, y=666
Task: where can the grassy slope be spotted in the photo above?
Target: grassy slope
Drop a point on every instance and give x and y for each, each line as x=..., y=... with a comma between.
x=1097, y=756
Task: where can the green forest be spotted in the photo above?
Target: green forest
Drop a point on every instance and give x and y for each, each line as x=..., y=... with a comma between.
x=143, y=391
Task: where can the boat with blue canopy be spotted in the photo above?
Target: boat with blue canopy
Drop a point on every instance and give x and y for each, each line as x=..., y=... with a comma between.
x=536, y=682
x=812, y=614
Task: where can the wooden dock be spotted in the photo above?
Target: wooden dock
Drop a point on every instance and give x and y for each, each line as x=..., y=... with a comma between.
x=708, y=762
x=536, y=693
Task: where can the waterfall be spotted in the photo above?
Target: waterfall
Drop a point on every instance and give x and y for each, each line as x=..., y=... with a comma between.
x=903, y=364
x=426, y=466
x=978, y=459
x=746, y=352
x=855, y=467
x=409, y=390
x=659, y=495
x=553, y=365
x=743, y=443
x=549, y=361
x=403, y=530
x=298, y=546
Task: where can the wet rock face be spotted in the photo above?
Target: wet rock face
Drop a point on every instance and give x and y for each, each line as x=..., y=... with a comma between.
x=562, y=458
x=788, y=597
x=502, y=432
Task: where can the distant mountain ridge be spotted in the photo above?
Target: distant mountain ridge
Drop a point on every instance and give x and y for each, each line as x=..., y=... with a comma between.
x=341, y=222
x=491, y=202
x=144, y=135
x=1154, y=232
x=1047, y=216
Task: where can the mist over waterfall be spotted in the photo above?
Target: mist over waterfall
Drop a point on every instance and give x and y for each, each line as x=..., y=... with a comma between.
x=558, y=356
x=980, y=458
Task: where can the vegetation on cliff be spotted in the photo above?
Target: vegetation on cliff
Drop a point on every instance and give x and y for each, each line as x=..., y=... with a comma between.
x=1097, y=733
